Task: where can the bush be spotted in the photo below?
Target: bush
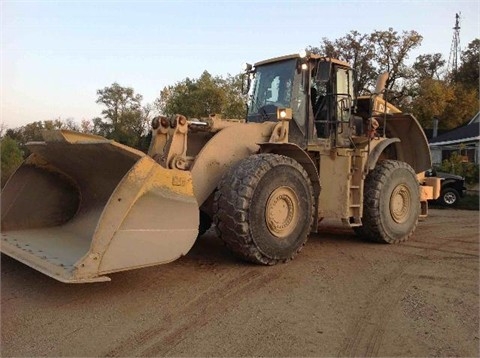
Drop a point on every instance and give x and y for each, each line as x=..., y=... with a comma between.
x=11, y=157
x=456, y=165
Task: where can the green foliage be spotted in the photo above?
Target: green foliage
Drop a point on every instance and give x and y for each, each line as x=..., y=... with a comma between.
x=11, y=157
x=33, y=131
x=124, y=119
x=234, y=105
x=468, y=72
x=372, y=54
x=391, y=53
x=196, y=98
x=357, y=50
x=428, y=66
x=456, y=165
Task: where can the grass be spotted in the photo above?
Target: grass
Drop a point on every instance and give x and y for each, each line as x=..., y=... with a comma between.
x=468, y=202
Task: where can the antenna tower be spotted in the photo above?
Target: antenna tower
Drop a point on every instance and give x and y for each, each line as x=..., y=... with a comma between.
x=455, y=48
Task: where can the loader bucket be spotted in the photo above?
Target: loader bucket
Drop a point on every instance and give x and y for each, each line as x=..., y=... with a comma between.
x=83, y=206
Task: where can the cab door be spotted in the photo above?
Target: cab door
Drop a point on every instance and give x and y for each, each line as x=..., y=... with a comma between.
x=343, y=102
x=331, y=93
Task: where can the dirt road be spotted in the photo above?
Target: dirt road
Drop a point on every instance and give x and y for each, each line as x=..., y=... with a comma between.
x=340, y=297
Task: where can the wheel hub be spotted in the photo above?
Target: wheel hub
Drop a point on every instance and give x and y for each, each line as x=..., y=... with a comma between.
x=449, y=198
x=400, y=203
x=281, y=212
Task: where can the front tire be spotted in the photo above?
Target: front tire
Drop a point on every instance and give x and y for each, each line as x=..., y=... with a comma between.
x=391, y=205
x=264, y=208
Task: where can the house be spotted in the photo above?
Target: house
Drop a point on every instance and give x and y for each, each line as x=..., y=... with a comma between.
x=463, y=139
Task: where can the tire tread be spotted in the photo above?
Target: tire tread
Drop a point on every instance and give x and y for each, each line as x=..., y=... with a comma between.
x=232, y=205
x=373, y=228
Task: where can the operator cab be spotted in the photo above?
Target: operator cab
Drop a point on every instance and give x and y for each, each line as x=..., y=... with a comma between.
x=319, y=91
x=272, y=89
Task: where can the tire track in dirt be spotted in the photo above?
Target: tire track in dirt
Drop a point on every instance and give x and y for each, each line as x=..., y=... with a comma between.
x=364, y=337
x=160, y=339
x=461, y=254
x=181, y=308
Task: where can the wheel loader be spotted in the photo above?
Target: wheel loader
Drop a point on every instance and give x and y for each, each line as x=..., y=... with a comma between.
x=82, y=206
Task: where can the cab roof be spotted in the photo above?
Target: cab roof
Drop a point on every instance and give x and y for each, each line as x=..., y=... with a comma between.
x=310, y=56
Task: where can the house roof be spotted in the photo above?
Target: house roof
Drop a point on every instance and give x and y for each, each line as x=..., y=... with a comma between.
x=475, y=119
x=429, y=132
x=466, y=133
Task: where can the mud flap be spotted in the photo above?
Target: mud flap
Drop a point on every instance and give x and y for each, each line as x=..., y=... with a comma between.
x=82, y=206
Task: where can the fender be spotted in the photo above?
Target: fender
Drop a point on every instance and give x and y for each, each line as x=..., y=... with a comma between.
x=377, y=151
x=223, y=150
x=413, y=146
x=295, y=152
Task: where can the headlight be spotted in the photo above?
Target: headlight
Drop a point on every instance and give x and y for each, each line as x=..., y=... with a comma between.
x=284, y=114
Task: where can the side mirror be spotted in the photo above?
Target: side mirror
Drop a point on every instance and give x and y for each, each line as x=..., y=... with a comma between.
x=245, y=83
x=246, y=79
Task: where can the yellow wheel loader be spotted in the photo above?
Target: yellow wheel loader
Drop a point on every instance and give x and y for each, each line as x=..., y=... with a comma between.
x=81, y=206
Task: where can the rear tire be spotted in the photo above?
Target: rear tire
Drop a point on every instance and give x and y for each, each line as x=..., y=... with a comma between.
x=264, y=208
x=391, y=205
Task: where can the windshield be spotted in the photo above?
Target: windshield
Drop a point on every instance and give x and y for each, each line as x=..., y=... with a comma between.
x=272, y=89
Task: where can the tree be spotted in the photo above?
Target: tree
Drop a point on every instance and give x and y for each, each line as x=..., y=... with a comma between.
x=29, y=132
x=431, y=100
x=357, y=50
x=375, y=53
x=391, y=52
x=11, y=158
x=462, y=107
x=422, y=88
x=452, y=104
x=468, y=72
x=124, y=119
x=429, y=66
x=454, y=98
x=203, y=96
x=86, y=126
x=235, y=100
x=32, y=132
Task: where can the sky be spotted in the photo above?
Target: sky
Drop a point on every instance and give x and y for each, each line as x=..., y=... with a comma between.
x=55, y=55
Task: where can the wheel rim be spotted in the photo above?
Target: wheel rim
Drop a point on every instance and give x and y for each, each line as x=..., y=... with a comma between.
x=281, y=212
x=400, y=203
x=449, y=198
